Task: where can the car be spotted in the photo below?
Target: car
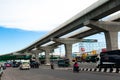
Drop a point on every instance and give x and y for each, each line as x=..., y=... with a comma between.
x=34, y=64
x=16, y=64
x=109, y=59
x=63, y=63
x=25, y=64
x=2, y=65
x=7, y=64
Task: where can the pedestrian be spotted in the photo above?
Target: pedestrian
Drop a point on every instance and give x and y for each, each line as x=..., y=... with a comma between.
x=75, y=67
x=52, y=65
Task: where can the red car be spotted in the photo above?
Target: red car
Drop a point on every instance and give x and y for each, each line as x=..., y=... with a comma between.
x=7, y=64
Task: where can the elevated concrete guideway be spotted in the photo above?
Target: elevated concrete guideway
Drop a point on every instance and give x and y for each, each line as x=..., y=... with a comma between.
x=97, y=11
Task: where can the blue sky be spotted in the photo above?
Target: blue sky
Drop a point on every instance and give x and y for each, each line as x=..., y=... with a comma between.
x=15, y=39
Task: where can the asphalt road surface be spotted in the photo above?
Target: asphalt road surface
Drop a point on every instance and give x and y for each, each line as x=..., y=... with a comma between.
x=58, y=74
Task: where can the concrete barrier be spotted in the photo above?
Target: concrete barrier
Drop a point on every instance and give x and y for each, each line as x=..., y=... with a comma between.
x=1, y=72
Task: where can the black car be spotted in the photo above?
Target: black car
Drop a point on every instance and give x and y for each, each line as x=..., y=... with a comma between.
x=34, y=64
x=16, y=64
x=63, y=63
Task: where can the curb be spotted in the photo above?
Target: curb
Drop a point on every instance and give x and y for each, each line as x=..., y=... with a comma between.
x=109, y=70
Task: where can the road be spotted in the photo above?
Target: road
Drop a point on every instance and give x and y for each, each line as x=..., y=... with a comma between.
x=58, y=74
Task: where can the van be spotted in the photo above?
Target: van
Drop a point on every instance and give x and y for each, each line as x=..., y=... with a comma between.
x=25, y=64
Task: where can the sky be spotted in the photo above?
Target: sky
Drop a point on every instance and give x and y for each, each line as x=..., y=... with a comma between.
x=22, y=22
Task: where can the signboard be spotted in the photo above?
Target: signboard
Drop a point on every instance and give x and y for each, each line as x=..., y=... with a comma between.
x=104, y=50
x=89, y=40
x=82, y=49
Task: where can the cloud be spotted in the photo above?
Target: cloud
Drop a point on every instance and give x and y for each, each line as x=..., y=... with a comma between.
x=39, y=15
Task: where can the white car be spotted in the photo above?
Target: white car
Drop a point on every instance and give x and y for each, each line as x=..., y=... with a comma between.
x=25, y=64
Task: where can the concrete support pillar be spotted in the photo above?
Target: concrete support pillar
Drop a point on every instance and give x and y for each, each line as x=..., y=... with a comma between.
x=47, y=56
x=68, y=46
x=48, y=50
x=111, y=40
x=110, y=30
x=37, y=57
x=68, y=50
